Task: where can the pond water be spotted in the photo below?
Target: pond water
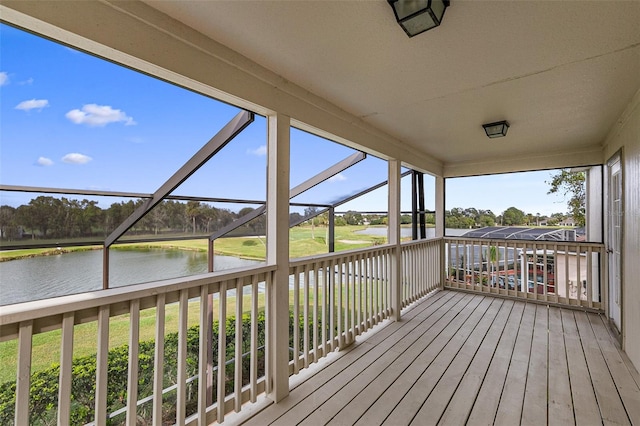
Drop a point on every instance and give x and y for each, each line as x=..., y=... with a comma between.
x=57, y=275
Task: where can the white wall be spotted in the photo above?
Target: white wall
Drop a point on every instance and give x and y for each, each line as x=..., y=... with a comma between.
x=626, y=136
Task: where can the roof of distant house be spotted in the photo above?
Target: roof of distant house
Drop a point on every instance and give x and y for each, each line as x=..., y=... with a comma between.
x=521, y=233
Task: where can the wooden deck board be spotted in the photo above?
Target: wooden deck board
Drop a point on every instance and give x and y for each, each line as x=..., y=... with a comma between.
x=510, y=407
x=584, y=398
x=452, y=339
x=437, y=402
x=458, y=358
x=623, y=378
x=560, y=402
x=611, y=407
x=341, y=391
x=534, y=410
x=367, y=395
x=461, y=404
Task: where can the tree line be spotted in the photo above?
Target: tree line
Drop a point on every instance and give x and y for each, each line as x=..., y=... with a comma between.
x=47, y=217
x=465, y=218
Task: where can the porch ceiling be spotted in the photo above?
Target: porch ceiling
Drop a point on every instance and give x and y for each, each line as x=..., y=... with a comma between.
x=560, y=72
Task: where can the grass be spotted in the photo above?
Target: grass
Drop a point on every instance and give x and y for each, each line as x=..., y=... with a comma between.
x=301, y=244
x=24, y=253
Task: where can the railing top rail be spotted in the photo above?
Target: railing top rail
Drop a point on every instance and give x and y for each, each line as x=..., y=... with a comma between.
x=12, y=314
x=489, y=241
x=334, y=256
x=418, y=242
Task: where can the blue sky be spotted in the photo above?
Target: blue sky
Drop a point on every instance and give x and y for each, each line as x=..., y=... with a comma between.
x=71, y=120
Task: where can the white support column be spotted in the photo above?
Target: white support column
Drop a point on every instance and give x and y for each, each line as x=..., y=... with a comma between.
x=278, y=254
x=440, y=227
x=439, y=207
x=394, y=238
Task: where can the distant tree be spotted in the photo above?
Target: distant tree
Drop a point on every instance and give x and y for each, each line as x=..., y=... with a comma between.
x=339, y=221
x=8, y=223
x=192, y=211
x=295, y=217
x=572, y=185
x=513, y=216
x=430, y=218
x=486, y=218
x=353, y=218
x=41, y=213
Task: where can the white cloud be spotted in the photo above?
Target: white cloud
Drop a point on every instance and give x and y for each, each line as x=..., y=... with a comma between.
x=99, y=115
x=259, y=151
x=27, y=82
x=76, y=158
x=32, y=104
x=337, y=178
x=44, y=161
x=4, y=78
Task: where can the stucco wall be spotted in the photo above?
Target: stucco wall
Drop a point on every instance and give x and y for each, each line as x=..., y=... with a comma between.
x=626, y=136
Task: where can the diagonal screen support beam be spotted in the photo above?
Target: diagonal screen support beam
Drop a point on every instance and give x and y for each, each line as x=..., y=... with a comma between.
x=345, y=200
x=215, y=144
x=294, y=192
x=327, y=173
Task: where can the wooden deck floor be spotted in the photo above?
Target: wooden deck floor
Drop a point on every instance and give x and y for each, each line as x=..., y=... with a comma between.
x=458, y=358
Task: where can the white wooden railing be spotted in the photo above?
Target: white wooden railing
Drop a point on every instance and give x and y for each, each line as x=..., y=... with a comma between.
x=333, y=299
x=194, y=388
x=565, y=273
x=421, y=269
x=337, y=297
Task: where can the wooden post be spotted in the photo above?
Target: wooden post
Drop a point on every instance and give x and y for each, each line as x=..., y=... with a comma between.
x=278, y=254
x=440, y=226
x=394, y=238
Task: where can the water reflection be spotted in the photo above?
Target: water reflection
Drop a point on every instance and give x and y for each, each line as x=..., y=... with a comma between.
x=71, y=273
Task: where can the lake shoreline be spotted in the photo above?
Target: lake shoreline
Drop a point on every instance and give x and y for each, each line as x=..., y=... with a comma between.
x=60, y=251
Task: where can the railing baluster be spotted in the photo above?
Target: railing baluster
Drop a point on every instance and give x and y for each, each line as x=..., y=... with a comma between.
x=331, y=278
x=589, y=278
x=132, y=380
x=253, y=372
x=352, y=301
x=158, y=362
x=238, y=361
x=359, y=317
x=23, y=379
x=296, y=320
x=102, y=365
x=222, y=348
x=338, y=304
x=316, y=296
x=203, y=355
x=66, y=369
x=376, y=266
x=579, y=274
x=267, y=324
x=306, y=348
x=181, y=410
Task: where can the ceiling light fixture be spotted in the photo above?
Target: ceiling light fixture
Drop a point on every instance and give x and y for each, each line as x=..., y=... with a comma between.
x=418, y=16
x=497, y=129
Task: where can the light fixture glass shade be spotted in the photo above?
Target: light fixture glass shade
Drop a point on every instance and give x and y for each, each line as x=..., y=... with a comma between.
x=497, y=129
x=418, y=16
